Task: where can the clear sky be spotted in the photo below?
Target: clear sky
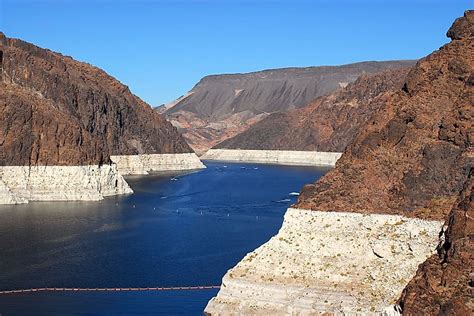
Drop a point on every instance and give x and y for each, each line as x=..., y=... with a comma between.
x=160, y=49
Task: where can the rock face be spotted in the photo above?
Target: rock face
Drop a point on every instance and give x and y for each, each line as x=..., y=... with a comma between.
x=415, y=158
x=221, y=106
x=60, y=122
x=414, y=155
x=444, y=283
x=58, y=111
x=328, y=123
x=8, y=197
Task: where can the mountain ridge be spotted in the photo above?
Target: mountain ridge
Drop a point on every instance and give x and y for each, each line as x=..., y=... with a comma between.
x=326, y=124
x=221, y=106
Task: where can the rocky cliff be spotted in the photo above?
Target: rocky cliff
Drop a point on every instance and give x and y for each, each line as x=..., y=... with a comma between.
x=444, y=284
x=326, y=124
x=62, y=121
x=58, y=111
x=397, y=180
x=414, y=158
x=221, y=106
x=414, y=154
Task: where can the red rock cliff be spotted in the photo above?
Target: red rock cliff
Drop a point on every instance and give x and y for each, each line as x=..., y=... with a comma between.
x=444, y=284
x=414, y=155
x=58, y=111
x=415, y=158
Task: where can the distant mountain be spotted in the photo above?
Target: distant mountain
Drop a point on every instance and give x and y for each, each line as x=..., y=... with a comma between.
x=328, y=123
x=221, y=106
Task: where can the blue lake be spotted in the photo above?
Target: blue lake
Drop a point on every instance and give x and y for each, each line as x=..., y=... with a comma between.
x=184, y=230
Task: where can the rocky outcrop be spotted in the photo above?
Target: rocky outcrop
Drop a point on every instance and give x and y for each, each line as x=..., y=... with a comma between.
x=145, y=164
x=60, y=122
x=444, y=284
x=342, y=263
x=411, y=160
x=328, y=123
x=221, y=106
x=58, y=111
x=279, y=157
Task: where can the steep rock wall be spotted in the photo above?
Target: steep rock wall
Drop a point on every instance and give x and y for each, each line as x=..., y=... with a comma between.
x=55, y=110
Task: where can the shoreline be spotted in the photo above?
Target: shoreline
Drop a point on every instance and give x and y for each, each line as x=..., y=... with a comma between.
x=22, y=184
x=278, y=157
x=149, y=163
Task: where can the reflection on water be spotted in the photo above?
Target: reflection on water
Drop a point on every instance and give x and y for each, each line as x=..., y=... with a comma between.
x=187, y=231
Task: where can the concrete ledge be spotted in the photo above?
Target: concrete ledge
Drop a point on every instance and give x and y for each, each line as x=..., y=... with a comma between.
x=341, y=263
x=20, y=184
x=144, y=164
x=280, y=157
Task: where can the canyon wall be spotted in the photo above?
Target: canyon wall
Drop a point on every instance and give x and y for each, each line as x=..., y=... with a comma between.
x=414, y=155
x=60, y=122
x=411, y=161
x=221, y=106
x=444, y=283
x=58, y=111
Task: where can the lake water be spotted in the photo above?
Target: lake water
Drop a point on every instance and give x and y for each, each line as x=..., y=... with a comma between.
x=173, y=231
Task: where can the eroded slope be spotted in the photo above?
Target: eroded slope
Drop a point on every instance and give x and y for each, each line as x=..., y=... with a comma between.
x=414, y=155
x=328, y=123
x=221, y=106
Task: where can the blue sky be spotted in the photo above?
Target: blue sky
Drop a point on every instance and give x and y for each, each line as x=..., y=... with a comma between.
x=160, y=49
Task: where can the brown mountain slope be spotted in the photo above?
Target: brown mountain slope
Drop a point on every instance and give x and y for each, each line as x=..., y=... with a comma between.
x=328, y=123
x=58, y=111
x=414, y=155
x=444, y=284
x=221, y=106
x=414, y=158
